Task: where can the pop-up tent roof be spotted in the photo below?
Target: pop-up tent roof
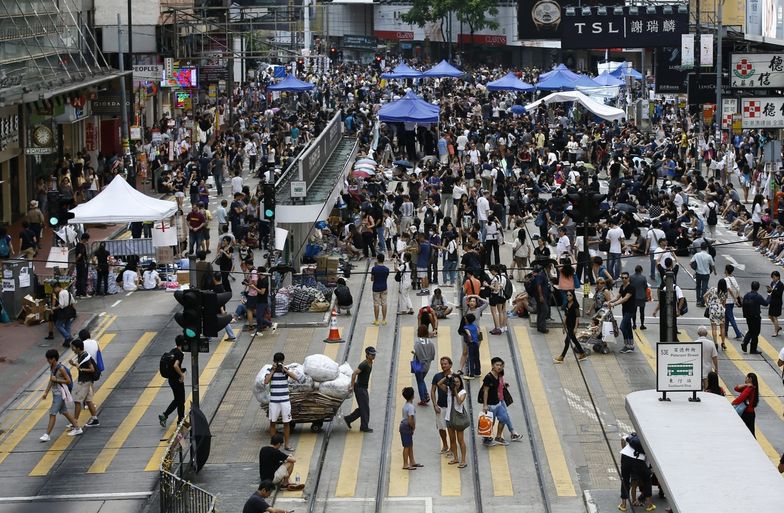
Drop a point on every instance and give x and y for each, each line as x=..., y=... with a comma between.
x=443, y=70
x=291, y=83
x=607, y=79
x=624, y=70
x=564, y=80
x=402, y=70
x=121, y=203
x=603, y=111
x=509, y=82
x=409, y=109
x=562, y=69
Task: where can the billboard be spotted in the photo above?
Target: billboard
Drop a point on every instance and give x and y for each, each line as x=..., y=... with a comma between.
x=628, y=27
x=757, y=70
x=753, y=18
x=762, y=112
x=670, y=78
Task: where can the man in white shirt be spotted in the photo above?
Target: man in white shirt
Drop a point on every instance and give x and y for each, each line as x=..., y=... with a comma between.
x=563, y=245
x=615, y=237
x=482, y=209
x=130, y=280
x=236, y=183
x=654, y=235
x=733, y=298
x=710, y=356
x=252, y=153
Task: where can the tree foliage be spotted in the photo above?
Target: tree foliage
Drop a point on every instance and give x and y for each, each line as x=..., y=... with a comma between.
x=477, y=14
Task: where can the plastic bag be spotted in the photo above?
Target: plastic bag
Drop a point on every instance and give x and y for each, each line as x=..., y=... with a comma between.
x=303, y=385
x=298, y=370
x=607, y=330
x=337, y=388
x=346, y=369
x=321, y=367
x=261, y=390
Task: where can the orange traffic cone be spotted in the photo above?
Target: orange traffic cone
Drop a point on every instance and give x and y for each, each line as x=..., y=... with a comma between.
x=334, y=334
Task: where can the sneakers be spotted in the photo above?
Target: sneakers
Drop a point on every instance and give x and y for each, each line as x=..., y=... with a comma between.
x=501, y=441
x=274, y=327
x=496, y=331
x=517, y=437
x=626, y=349
x=558, y=359
x=75, y=432
x=93, y=422
x=162, y=420
x=488, y=442
x=45, y=437
x=582, y=357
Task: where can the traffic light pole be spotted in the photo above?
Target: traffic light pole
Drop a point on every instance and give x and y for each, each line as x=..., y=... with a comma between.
x=194, y=285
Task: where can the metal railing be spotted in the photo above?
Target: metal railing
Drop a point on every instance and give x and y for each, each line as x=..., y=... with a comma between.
x=177, y=494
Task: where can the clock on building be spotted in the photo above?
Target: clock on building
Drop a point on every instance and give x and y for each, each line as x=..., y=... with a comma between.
x=42, y=136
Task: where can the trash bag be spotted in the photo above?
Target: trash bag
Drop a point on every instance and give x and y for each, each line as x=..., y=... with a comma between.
x=298, y=370
x=346, y=369
x=337, y=388
x=260, y=390
x=321, y=367
x=303, y=385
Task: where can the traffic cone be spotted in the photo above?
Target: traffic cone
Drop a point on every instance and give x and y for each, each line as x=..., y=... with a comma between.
x=334, y=334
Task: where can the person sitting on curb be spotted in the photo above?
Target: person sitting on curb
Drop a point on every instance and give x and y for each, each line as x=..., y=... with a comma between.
x=276, y=466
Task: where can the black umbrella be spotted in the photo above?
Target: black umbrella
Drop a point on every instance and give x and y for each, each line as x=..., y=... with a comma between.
x=626, y=208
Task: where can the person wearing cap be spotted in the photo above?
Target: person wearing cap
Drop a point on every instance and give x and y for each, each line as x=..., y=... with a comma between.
x=360, y=380
x=35, y=219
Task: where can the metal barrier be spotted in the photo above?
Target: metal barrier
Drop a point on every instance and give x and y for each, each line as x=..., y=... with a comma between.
x=178, y=495
x=127, y=247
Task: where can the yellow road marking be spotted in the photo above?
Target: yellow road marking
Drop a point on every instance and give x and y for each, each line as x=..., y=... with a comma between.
x=347, y=478
x=120, y=435
x=399, y=478
x=499, y=462
x=767, y=348
x=51, y=456
x=761, y=438
x=25, y=406
x=451, y=485
x=33, y=417
x=559, y=470
x=306, y=444
x=213, y=364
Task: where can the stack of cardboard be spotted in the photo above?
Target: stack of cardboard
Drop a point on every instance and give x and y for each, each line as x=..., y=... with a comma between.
x=327, y=268
x=33, y=310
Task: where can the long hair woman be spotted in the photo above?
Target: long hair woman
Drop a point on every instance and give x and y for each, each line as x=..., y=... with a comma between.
x=749, y=394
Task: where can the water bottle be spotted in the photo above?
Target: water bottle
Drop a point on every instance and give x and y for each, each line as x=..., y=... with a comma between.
x=296, y=479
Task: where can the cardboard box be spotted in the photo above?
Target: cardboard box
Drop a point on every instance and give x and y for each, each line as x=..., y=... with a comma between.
x=183, y=277
x=33, y=318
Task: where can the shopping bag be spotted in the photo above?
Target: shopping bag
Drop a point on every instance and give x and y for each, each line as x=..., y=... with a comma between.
x=607, y=330
x=484, y=426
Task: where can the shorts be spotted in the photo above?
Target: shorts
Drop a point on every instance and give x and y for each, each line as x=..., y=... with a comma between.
x=495, y=299
x=444, y=159
x=280, y=410
x=380, y=298
x=250, y=302
x=441, y=423
x=179, y=194
x=58, y=405
x=280, y=474
x=83, y=392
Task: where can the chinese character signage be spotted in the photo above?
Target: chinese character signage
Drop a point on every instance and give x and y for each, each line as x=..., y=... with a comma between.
x=679, y=367
x=630, y=27
x=757, y=70
x=762, y=112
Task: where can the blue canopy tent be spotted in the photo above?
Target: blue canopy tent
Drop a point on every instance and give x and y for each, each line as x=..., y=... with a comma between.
x=443, y=70
x=560, y=68
x=402, y=71
x=565, y=80
x=291, y=83
x=624, y=70
x=409, y=109
x=607, y=79
x=510, y=82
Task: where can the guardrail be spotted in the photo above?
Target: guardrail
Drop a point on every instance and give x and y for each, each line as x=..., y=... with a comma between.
x=177, y=494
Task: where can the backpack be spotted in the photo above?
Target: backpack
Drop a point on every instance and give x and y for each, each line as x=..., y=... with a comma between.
x=166, y=365
x=5, y=248
x=508, y=288
x=711, y=250
x=634, y=442
x=748, y=306
x=67, y=371
x=95, y=375
x=712, y=215
x=429, y=217
x=540, y=220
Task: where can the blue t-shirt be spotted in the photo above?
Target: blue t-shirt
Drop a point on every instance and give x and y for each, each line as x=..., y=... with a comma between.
x=380, y=273
x=423, y=258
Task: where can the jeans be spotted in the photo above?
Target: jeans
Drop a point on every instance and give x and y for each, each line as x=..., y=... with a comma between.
x=754, y=324
x=614, y=265
x=81, y=279
x=702, y=287
x=450, y=272
x=421, y=386
x=570, y=337
x=653, y=267
x=474, y=365
x=729, y=319
x=218, y=177
x=64, y=328
x=482, y=230
x=230, y=331
x=639, y=305
x=382, y=242
x=194, y=241
x=178, y=402
x=501, y=414
x=363, y=408
x=102, y=282
x=542, y=313
x=626, y=329
x=492, y=249
x=261, y=312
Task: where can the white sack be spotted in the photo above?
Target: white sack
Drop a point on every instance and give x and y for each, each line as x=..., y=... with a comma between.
x=321, y=367
x=337, y=388
x=346, y=369
x=260, y=390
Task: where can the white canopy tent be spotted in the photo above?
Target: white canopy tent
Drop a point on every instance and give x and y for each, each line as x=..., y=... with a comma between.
x=121, y=203
x=603, y=111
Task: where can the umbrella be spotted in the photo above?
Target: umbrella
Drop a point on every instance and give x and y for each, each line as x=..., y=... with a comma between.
x=625, y=207
x=403, y=163
x=365, y=166
x=362, y=173
x=518, y=109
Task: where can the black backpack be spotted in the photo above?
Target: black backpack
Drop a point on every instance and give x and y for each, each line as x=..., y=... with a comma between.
x=712, y=215
x=166, y=366
x=508, y=288
x=95, y=376
x=429, y=217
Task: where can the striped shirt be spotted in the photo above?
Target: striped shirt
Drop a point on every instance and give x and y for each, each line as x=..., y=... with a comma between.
x=279, y=388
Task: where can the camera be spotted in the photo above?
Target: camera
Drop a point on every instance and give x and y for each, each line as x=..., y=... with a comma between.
x=450, y=382
x=279, y=368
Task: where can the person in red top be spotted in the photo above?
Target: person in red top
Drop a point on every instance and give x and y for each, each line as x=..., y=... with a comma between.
x=196, y=222
x=749, y=395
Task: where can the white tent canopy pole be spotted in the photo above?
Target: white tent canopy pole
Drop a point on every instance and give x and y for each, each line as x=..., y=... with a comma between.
x=121, y=203
x=603, y=111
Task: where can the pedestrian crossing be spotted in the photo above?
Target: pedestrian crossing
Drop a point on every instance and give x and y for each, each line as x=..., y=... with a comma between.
x=19, y=448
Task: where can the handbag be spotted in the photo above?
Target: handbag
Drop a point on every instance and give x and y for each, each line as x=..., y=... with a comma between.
x=458, y=420
x=706, y=313
x=507, y=396
x=740, y=407
x=399, y=276
x=416, y=366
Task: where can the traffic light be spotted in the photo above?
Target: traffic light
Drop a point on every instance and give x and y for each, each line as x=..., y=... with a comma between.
x=378, y=61
x=212, y=320
x=190, y=317
x=300, y=65
x=585, y=206
x=59, y=219
x=333, y=53
x=269, y=201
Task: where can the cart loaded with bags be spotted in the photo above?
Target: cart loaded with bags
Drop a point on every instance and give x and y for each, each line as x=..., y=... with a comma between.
x=602, y=329
x=316, y=393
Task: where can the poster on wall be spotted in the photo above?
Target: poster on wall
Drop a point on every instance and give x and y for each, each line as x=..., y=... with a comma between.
x=671, y=78
x=753, y=18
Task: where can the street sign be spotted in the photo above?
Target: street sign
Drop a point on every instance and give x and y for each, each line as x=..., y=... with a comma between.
x=299, y=189
x=729, y=106
x=762, y=112
x=757, y=70
x=679, y=367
